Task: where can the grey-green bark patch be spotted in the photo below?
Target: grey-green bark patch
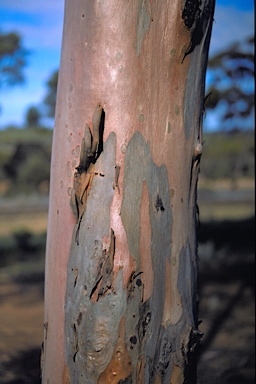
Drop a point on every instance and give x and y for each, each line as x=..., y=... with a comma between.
x=141, y=118
x=172, y=192
x=172, y=344
x=177, y=110
x=143, y=22
x=186, y=282
x=195, y=80
x=169, y=127
x=118, y=56
x=139, y=168
x=173, y=52
x=123, y=148
x=91, y=328
x=92, y=320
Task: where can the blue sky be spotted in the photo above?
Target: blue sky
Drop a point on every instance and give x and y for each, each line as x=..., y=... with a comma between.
x=40, y=22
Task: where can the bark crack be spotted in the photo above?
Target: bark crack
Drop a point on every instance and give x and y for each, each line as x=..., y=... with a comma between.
x=91, y=148
x=105, y=274
x=196, y=20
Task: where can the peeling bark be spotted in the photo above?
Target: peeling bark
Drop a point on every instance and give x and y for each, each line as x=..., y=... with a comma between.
x=121, y=271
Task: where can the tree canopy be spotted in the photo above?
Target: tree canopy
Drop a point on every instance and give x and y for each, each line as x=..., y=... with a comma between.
x=231, y=87
x=12, y=59
x=33, y=117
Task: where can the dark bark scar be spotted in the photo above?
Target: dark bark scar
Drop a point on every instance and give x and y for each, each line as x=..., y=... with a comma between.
x=75, y=345
x=159, y=204
x=105, y=273
x=46, y=329
x=196, y=17
x=117, y=173
x=91, y=148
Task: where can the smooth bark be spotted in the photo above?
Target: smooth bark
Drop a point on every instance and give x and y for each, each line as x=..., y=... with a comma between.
x=121, y=268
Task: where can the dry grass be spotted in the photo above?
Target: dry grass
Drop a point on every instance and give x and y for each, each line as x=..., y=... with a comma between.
x=226, y=184
x=36, y=222
x=233, y=211
x=33, y=222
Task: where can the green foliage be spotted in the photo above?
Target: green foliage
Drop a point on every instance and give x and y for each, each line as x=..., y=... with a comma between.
x=12, y=135
x=231, y=89
x=26, y=160
x=33, y=171
x=28, y=166
x=12, y=59
x=5, y=153
x=21, y=246
x=228, y=155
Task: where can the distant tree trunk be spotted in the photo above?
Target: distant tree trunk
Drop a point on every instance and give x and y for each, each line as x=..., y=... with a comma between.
x=121, y=265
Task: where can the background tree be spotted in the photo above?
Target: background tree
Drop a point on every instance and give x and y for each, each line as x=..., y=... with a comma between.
x=230, y=155
x=231, y=86
x=50, y=99
x=28, y=167
x=12, y=59
x=33, y=117
x=121, y=269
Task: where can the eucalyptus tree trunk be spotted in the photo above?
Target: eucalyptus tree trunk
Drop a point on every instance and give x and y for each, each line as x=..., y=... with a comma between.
x=121, y=265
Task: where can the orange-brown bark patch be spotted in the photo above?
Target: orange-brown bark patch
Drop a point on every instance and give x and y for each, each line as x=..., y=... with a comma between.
x=158, y=379
x=177, y=375
x=66, y=375
x=147, y=276
x=120, y=366
x=168, y=295
x=172, y=303
x=140, y=373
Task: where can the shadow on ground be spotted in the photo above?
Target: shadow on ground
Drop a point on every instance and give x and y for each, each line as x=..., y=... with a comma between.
x=226, y=287
x=23, y=368
x=234, y=235
x=227, y=302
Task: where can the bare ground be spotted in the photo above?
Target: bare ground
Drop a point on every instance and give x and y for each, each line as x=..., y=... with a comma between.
x=21, y=331
x=226, y=287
